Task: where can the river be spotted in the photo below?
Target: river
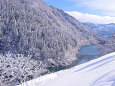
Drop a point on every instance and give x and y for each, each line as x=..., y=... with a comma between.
x=85, y=54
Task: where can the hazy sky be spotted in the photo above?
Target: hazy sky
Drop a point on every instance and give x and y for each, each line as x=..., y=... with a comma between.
x=95, y=11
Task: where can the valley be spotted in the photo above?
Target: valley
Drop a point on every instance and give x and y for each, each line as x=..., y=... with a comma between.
x=37, y=39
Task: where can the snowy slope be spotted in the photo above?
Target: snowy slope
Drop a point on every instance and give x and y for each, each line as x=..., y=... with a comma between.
x=98, y=72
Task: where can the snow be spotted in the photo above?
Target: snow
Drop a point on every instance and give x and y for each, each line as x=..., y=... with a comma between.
x=98, y=72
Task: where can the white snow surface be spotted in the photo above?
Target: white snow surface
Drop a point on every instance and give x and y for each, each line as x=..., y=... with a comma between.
x=98, y=72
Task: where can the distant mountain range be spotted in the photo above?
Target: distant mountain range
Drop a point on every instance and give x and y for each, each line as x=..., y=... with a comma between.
x=106, y=30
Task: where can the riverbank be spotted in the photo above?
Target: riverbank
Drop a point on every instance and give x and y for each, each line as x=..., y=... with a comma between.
x=85, y=54
x=98, y=72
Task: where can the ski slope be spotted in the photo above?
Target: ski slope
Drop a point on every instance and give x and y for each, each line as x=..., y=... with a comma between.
x=98, y=72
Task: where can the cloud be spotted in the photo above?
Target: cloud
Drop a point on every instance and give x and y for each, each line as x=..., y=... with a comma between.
x=85, y=17
x=106, y=6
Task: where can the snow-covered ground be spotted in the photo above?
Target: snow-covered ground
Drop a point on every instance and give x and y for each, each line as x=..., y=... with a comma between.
x=98, y=72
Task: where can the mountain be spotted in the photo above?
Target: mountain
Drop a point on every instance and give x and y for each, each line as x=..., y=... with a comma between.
x=35, y=36
x=106, y=30
x=98, y=72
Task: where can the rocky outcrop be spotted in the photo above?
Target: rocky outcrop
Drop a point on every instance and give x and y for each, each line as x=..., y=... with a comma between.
x=40, y=33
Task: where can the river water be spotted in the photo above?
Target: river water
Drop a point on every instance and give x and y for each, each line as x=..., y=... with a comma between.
x=85, y=54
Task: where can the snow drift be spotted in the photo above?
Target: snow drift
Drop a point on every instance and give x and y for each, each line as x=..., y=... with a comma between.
x=98, y=72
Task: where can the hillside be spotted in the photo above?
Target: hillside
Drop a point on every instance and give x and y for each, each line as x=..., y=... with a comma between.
x=108, y=47
x=37, y=36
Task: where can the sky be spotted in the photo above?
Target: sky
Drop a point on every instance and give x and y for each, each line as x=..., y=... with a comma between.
x=94, y=11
